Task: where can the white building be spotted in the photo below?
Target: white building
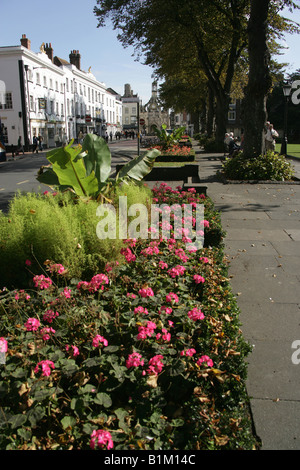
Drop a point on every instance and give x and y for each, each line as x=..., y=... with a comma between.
x=45, y=95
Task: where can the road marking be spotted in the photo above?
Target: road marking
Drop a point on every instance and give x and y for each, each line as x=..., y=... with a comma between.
x=22, y=182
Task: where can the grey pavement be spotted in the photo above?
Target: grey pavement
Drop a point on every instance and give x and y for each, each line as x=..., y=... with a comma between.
x=262, y=222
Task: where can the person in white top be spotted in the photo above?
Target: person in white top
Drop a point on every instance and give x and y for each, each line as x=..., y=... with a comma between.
x=270, y=138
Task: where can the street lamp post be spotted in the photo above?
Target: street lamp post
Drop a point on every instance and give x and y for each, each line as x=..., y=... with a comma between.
x=286, y=91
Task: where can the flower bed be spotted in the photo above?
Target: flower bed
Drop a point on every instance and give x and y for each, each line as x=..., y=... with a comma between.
x=146, y=355
x=180, y=153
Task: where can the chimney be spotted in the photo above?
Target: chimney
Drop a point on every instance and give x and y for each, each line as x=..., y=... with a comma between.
x=49, y=51
x=25, y=42
x=75, y=58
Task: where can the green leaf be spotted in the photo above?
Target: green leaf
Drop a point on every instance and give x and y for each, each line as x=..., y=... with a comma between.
x=140, y=166
x=103, y=399
x=36, y=415
x=17, y=420
x=69, y=167
x=97, y=158
x=68, y=422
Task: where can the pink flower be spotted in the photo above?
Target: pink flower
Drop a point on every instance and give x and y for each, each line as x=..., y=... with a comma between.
x=82, y=285
x=101, y=438
x=22, y=295
x=134, y=360
x=130, y=295
x=148, y=292
x=204, y=259
x=42, y=282
x=141, y=309
x=155, y=365
x=57, y=268
x=188, y=352
x=164, y=309
x=97, y=282
x=195, y=314
x=46, y=367
x=205, y=223
x=163, y=265
x=99, y=339
x=45, y=332
x=206, y=359
x=177, y=271
x=32, y=324
x=67, y=293
x=3, y=345
x=75, y=350
x=28, y=262
x=172, y=298
x=49, y=316
x=146, y=331
x=129, y=256
x=198, y=279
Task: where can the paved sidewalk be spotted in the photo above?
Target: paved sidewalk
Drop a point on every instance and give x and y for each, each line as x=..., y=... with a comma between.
x=263, y=246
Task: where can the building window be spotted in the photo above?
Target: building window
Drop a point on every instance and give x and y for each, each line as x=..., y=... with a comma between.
x=71, y=86
x=31, y=103
x=56, y=86
x=45, y=81
x=61, y=87
x=56, y=108
x=51, y=83
x=231, y=115
x=38, y=79
x=51, y=107
x=67, y=84
x=89, y=94
x=62, y=109
x=8, y=104
x=80, y=88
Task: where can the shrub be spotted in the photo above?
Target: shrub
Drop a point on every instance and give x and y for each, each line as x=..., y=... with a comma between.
x=270, y=166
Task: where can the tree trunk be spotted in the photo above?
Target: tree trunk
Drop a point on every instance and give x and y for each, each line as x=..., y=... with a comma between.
x=259, y=81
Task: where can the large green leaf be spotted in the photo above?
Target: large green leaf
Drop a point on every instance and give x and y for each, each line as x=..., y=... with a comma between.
x=140, y=166
x=97, y=158
x=68, y=164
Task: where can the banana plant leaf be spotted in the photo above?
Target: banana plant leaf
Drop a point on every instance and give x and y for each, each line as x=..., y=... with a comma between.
x=68, y=165
x=97, y=157
x=140, y=166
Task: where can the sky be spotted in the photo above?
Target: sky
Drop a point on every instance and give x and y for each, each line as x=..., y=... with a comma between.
x=71, y=24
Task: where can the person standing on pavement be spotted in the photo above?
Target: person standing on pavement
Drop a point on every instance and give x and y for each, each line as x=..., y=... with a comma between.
x=270, y=138
x=20, y=146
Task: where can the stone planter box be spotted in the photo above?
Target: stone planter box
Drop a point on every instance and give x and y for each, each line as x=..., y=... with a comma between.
x=189, y=174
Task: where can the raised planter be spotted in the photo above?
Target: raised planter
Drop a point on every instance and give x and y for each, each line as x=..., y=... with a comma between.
x=189, y=174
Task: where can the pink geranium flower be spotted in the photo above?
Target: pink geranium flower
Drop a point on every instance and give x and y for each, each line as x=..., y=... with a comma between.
x=195, y=314
x=205, y=359
x=46, y=367
x=99, y=339
x=32, y=324
x=101, y=438
x=42, y=282
x=134, y=360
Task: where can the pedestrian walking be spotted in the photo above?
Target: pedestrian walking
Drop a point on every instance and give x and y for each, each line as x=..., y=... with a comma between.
x=40, y=140
x=35, y=144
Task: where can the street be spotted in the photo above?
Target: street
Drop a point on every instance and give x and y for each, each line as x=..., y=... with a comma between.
x=20, y=174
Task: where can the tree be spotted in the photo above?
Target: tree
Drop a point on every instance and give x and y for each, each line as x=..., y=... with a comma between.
x=215, y=29
x=260, y=80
